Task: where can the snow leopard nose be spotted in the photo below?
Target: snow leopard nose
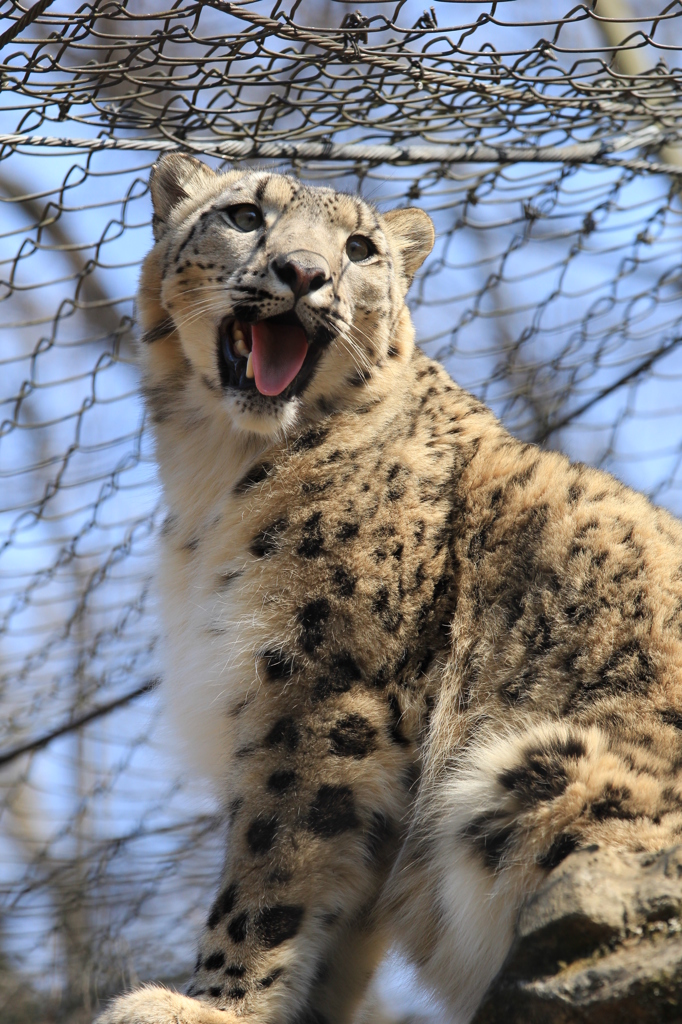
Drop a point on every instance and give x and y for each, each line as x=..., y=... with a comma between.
x=303, y=271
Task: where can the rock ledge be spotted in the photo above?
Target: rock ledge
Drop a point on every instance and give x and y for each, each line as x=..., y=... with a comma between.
x=599, y=943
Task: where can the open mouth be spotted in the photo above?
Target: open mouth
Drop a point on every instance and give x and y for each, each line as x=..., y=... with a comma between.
x=272, y=356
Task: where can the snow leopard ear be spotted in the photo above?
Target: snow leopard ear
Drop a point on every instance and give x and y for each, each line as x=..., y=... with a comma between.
x=174, y=177
x=413, y=232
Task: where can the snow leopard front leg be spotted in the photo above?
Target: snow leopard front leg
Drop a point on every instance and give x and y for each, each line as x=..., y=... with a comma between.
x=318, y=793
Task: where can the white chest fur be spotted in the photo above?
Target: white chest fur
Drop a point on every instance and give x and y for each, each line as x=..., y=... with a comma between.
x=211, y=629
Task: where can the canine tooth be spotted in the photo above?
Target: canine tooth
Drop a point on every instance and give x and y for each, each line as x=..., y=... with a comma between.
x=237, y=332
x=249, y=366
x=240, y=346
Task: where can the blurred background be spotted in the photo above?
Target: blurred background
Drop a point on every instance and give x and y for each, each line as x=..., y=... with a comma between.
x=544, y=139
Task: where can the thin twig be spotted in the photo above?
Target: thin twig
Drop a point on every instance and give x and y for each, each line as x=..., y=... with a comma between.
x=605, y=392
x=76, y=723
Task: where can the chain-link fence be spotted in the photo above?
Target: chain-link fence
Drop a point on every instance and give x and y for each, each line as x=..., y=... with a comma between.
x=545, y=141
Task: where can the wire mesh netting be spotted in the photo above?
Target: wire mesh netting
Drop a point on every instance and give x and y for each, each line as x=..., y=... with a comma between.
x=546, y=146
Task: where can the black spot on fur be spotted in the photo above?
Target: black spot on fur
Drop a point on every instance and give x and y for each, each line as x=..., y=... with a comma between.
x=312, y=618
x=424, y=664
x=611, y=804
x=343, y=672
x=225, y=579
x=391, y=618
x=419, y=577
x=246, y=751
x=281, y=780
x=381, y=837
x=284, y=733
x=312, y=540
x=397, y=477
x=539, y=638
x=235, y=971
x=628, y=669
x=396, y=732
x=274, y=925
x=353, y=736
x=672, y=717
x=215, y=991
x=169, y=524
x=267, y=541
x=525, y=476
x=236, y=993
x=223, y=905
x=278, y=666
x=333, y=811
x=514, y=583
x=380, y=679
x=543, y=774
x=236, y=928
x=254, y=476
x=311, y=439
x=347, y=530
x=214, y=962
x=520, y=687
x=358, y=378
x=325, y=405
x=270, y=978
x=344, y=582
x=261, y=833
x=562, y=846
x=492, y=835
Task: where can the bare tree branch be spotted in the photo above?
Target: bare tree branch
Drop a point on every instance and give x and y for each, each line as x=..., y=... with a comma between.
x=31, y=746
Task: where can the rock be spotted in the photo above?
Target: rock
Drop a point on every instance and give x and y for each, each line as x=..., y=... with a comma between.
x=599, y=943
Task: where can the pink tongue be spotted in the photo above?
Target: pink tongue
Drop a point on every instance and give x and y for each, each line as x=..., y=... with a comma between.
x=278, y=351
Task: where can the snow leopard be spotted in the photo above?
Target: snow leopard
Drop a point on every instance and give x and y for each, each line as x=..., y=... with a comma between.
x=421, y=661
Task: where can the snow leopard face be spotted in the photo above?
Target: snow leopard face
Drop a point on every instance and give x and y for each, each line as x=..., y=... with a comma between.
x=285, y=297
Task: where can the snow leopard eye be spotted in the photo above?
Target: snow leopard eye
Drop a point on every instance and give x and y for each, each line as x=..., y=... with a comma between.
x=244, y=217
x=359, y=248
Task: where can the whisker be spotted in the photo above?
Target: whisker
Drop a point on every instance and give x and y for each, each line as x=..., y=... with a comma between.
x=359, y=358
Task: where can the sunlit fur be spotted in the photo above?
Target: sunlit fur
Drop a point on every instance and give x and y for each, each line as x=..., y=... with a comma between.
x=421, y=661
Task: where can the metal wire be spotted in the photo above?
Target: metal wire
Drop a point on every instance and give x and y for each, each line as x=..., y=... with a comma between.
x=547, y=149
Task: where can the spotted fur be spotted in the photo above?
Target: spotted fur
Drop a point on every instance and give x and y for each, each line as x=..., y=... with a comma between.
x=422, y=661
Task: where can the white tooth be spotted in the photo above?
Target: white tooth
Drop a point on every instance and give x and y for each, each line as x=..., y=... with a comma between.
x=249, y=366
x=240, y=346
x=237, y=333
